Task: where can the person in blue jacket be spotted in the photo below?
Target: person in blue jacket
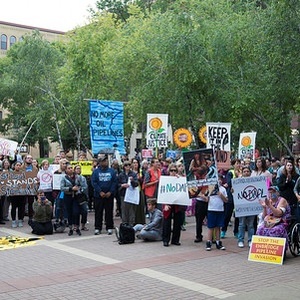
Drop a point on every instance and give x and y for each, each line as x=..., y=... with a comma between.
x=104, y=182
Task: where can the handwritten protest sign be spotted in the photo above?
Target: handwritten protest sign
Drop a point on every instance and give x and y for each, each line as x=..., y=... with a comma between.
x=173, y=190
x=8, y=147
x=45, y=177
x=267, y=249
x=86, y=166
x=218, y=136
x=247, y=191
x=106, y=126
x=18, y=183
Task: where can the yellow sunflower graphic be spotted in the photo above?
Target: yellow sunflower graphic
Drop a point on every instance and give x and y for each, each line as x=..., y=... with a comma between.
x=183, y=137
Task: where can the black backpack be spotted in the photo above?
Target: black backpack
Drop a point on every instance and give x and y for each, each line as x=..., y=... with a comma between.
x=126, y=234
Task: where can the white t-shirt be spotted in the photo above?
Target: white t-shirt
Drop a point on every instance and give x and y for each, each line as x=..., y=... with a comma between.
x=215, y=202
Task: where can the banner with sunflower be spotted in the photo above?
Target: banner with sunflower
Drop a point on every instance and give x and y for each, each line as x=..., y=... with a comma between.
x=157, y=131
x=247, y=145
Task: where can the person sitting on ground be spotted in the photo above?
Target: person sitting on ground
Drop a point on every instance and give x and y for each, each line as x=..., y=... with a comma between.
x=42, y=208
x=153, y=230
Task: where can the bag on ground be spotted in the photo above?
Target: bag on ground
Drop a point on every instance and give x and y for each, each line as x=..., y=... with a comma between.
x=126, y=234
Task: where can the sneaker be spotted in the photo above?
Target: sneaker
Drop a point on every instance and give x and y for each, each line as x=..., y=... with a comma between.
x=183, y=228
x=241, y=244
x=208, y=246
x=117, y=233
x=249, y=244
x=109, y=231
x=220, y=246
x=223, y=233
x=78, y=231
x=84, y=228
x=14, y=224
x=70, y=232
x=20, y=223
x=97, y=232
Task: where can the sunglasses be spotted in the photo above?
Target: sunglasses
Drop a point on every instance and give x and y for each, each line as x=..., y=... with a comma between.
x=127, y=165
x=173, y=170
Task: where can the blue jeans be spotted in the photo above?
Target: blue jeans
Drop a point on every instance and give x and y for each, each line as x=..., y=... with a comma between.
x=243, y=221
x=72, y=207
x=151, y=235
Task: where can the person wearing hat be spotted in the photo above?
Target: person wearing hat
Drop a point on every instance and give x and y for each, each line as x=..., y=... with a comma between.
x=104, y=182
x=275, y=215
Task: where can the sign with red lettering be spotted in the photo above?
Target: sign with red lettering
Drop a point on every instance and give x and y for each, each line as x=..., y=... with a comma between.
x=267, y=249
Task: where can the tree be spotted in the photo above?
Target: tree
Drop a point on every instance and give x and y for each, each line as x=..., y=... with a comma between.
x=28, y=81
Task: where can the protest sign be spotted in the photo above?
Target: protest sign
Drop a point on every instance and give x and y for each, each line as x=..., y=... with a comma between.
x=247, y=191
x=218, y=136
x=107, y=126
x=247, y=145
x=173, y=190
x=86, y=166
x=8, y=147
x=56, y=181
x=53, y=167
x=45, y=177
x=267, y=249
x=200, y=169
x=18, y=183
x=157, y=131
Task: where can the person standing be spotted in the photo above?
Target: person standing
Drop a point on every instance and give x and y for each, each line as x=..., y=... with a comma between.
x=170, y=212
x=247, y=220
x=126, y=179
x=29, y=167
x=235, y=172
x=104, y=181
x=70, y=186
x=215, y=214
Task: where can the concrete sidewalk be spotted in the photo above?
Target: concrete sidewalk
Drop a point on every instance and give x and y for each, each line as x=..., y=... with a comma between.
x=97, y=267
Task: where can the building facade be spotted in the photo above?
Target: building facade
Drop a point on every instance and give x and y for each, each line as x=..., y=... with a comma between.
x=11, y=33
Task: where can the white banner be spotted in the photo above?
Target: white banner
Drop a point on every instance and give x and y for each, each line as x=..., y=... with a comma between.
x=157, y=131
x=8, y=147
x=218, y=136
x=247, y=145
x=56, y=181
x=45, y=178
x=247, y=193
x=173, y=190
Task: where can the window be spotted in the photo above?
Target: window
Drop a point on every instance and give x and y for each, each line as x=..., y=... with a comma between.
x=12, y=40
x=3, y=42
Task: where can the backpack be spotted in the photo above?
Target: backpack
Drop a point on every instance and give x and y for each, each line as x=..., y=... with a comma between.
x=126, y=234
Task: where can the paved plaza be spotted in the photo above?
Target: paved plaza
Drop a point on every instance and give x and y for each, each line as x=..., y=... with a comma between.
x=97, y=267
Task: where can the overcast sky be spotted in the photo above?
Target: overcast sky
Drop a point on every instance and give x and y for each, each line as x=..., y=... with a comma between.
x=62, y=15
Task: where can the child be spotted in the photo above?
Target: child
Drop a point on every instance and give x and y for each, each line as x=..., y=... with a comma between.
x=215, y=214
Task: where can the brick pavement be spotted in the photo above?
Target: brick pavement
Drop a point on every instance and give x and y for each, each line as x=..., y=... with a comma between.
x=96, y=267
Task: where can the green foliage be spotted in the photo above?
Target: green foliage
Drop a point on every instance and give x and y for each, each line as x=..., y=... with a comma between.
x=219, y=61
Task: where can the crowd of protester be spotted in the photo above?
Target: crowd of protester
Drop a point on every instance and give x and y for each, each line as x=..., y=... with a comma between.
x=104, y=193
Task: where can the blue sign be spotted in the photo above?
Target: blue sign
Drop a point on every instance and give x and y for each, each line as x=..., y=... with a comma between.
x=106, y=126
